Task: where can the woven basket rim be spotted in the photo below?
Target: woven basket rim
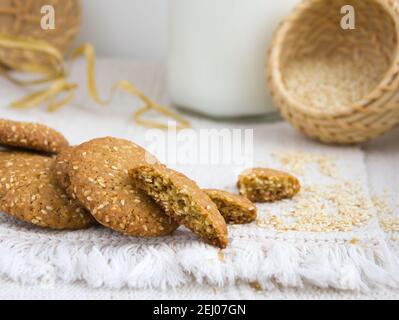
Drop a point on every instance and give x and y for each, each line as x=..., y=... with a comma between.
x=274, y=69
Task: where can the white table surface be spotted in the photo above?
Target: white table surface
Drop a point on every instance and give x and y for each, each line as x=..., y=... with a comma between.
x=373, y=150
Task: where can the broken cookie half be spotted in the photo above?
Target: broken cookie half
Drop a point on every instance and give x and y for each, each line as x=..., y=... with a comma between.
x=182, y=200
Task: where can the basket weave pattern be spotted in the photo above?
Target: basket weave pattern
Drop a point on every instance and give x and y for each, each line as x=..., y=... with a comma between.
x=339, y=86
x=22, y=18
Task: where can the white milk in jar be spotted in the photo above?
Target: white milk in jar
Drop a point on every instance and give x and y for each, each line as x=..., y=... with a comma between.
x=217, y=54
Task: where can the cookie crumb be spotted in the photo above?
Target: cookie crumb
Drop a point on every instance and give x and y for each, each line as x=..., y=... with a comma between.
x=267, y=185
x=256, y=286
x=235, y=209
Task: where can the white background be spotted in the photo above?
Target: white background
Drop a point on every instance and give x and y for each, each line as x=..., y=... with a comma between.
x=132, y=29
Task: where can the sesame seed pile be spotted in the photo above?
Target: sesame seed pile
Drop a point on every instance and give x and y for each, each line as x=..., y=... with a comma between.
x=387, y=217
x=339, y=206
x=336, y=208
x=298, y=161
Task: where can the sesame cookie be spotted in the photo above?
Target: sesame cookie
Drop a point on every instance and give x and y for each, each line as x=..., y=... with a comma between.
x=30, y=193
x=7, y=161
x=183, y=200
x=98, y=173
x=267, y=185
x=61, y=167
x=235, y=209
x=31, y=136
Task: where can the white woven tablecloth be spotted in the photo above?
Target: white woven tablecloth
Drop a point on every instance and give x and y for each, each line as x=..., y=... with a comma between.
x=362, y=262
x=382, y=162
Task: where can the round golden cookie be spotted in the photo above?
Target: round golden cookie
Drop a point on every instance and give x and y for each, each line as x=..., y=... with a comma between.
x=98, y=173
x=31, y=136
x=29, y=191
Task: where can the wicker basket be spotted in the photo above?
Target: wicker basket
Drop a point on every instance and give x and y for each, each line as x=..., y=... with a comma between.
x=339, y=86
x=22, y=18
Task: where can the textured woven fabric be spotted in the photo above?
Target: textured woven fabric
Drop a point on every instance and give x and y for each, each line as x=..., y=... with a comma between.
x=76, y=291
x=357, y=260
x=382, y=166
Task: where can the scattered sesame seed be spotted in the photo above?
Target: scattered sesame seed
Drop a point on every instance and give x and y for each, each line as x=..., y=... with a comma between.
x=342, y=207
x=387, y=217
x=297, y=162
x=221, y=256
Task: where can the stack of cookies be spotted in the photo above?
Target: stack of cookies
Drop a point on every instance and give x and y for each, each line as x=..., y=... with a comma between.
x=117, y=184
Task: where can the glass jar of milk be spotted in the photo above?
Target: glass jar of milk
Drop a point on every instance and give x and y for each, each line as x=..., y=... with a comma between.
x=217, y=55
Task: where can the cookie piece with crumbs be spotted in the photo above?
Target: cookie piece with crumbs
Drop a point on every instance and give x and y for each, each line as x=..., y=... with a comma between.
x=267, y=185
x=235, y=209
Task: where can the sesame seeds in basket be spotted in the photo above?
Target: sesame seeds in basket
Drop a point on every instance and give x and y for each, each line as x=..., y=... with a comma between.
x=335, y=85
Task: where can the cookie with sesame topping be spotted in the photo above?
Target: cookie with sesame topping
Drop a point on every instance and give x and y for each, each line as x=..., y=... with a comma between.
x=99, y=179
x=32, y=136
x=267, y=185
x=61, y=167
x=183, y=200
x=235, y=209
x=29, y=192
x=8, y=160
